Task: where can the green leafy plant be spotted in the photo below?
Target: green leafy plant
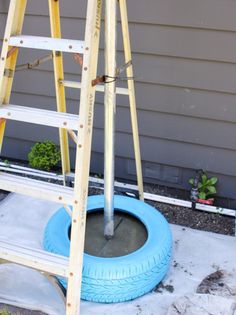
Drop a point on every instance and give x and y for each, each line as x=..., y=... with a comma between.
x=206, y=186
x=44, y=155
x=6, y=162
x=6, y=312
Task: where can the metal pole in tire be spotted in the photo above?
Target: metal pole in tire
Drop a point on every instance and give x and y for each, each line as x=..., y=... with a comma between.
x=110, y=111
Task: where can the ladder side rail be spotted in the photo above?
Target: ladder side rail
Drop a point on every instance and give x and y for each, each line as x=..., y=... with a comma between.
x=92, y=34
x=54, y=12
x=132, y=99
x=7, y=64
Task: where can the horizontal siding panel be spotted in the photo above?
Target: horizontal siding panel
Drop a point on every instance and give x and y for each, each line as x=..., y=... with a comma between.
x=161, y=99
x=4, y=6
x=216, y=139
x=44, y=102
x=73, y=8
x=31, y=132
x=191, y=74
x=186, y=73
x=180, y=128
x=215, y=14
x=16, y=148
x=154, y=125
x=153, y=149
x=212, y=14
x=2, y=26
x=183, y=42
x=180, y=101
x=155, y=39
x=35, y=82
x=174, y=153
x=183, y=101
x=40, y=25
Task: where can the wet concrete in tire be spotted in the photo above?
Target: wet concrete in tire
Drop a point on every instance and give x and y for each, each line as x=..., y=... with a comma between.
x=130, y=235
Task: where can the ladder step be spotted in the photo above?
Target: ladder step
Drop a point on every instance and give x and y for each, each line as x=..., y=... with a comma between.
x=39, y=116
x=99, y=88
x=36, y=188
x=47, y=43
x=34, y=258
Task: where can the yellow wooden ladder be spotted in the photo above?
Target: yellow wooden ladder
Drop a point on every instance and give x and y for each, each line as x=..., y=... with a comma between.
x=82, y=124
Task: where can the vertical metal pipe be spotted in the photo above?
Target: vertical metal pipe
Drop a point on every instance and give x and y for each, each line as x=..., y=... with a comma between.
x=110, y=111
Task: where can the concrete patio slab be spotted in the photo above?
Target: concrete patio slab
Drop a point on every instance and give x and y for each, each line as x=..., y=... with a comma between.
x=196, y=254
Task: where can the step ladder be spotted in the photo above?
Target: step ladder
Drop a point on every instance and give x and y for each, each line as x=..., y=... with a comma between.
x=79, y=126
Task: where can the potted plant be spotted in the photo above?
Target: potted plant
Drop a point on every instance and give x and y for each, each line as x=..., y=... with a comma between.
x=205, y=188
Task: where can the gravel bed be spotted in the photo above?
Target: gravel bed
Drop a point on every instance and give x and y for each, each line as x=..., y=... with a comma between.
x=14, y=310
x=196, y=219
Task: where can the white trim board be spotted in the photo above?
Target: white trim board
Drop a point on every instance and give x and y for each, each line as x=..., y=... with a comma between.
x=93, y=180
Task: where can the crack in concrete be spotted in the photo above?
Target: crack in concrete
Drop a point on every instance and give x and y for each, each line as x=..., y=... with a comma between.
x=117, y=224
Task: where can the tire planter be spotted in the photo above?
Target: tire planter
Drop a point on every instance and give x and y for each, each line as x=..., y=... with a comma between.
x=123, y=278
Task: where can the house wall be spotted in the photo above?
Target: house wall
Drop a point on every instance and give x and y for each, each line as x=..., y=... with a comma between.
x=184, y=54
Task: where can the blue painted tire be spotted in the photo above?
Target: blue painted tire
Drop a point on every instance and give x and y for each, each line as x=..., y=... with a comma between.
x=118, y=279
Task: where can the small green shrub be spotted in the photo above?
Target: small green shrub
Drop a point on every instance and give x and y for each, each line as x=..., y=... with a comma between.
x=44, y=155
x=206, y=186
x=4, y=312
x=6, y=162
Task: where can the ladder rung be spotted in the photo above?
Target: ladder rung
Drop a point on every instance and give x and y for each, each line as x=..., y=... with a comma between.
x=34, y=258
x=39, y=116
x=99, y=88
x=36, y=188
x=47, y=43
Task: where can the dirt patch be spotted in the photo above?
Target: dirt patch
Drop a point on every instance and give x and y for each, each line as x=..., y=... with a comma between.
x=219, y=283
x=160, y=288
